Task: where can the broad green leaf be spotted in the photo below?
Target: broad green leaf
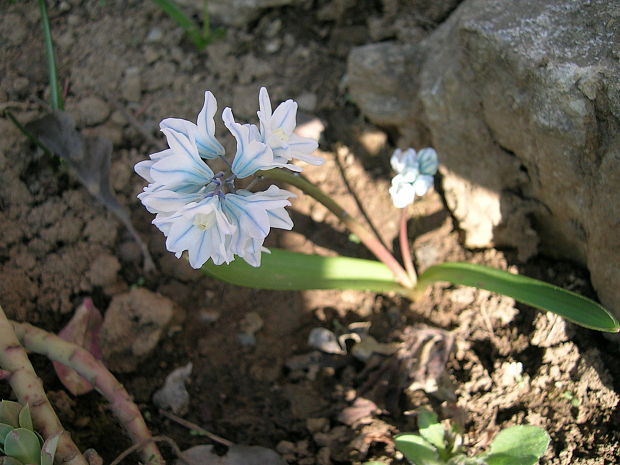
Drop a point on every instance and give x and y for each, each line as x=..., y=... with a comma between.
x=284, y=270
x=25, y=420
x=417, y=449
x=432, y=430
x=23, y=445
x=518, y=445
x=9, y=461
x=49, y=449
x=9, y=412
x=573, y=307
x=4, y=430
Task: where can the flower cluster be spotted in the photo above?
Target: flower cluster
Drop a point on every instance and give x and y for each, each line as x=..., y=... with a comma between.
x=414, y=174
x=202, y=211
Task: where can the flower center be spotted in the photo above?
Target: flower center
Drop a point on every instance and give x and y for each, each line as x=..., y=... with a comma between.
x=204, y=221
x=280, y=134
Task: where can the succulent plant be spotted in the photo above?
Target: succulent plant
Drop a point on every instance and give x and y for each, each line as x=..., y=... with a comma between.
x=20, y=444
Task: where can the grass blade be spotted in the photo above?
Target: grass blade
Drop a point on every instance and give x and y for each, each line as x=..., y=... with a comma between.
x=569, y=305
x=172, y=10
x=284, y=270
x=55, y=94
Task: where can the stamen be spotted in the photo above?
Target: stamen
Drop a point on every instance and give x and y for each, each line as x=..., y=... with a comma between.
x=204, y=221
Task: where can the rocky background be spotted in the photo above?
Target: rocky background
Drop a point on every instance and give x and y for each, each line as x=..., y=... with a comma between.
x=522, y=102
x=518, y=98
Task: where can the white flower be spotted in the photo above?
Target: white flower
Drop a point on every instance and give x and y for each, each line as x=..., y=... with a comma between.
x=203, y=132
x=414, y=174
x=202, y=229
x=276, y=130
x=254, y=214
x=252, y=153
x=200, y=211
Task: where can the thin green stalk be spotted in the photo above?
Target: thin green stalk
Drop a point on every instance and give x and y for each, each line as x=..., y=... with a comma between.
x=31, y=137
x=172, y=10
x=55, y=94
x=404, y=246
x=371, y=242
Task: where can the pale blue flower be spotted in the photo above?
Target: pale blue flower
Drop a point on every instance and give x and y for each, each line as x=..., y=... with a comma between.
x=276, y=130
x=200, y=211
x=202, y=229
x=414, y=174
x=254, y=214
x=252, y=153
x=203, y=132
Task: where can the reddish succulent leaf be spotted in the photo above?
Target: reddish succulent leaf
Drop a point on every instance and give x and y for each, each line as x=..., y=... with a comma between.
x=83, y=329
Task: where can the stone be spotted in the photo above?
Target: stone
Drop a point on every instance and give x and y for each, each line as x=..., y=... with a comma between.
x=173, y=394
x=131, y=85
x=91, y=111
x=239, y=13
x=235, y=455
x=160, y=76
x=104, y=270
x=133, y=324
x=521, y=102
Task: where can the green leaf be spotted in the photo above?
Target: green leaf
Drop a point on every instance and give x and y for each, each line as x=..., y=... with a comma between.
x=25, y=420
x=55, y=94
x=432, y=430
x=23, y=445
x=49, y=449
x=172, y=10
x=9, y=413
x=284, y=270
x=4, y=430
x=417, y=449
x=518, y=445
x=573, y=307
x=9, y=461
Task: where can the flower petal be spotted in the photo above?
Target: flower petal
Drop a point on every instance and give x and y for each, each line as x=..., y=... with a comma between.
x=427, y=161
x=402, y=194
x=184, y=166
x=208, y=145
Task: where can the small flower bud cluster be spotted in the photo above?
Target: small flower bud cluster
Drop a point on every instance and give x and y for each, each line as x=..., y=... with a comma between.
x=414, y=176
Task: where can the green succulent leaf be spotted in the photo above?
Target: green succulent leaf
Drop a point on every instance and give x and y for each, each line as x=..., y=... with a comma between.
x=9, y=413
x=4, y=430
x=23, y=445
x=9, y=461
x=417, y=449
x=432, y=430
x=518, y=445
x=573, y=307
x=49, y=449
x=284, y=270
x=25, y=420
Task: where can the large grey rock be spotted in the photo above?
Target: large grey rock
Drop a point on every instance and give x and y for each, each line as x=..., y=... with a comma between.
x=522, y=102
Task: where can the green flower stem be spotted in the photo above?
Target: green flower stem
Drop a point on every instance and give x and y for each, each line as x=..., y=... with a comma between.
x=404, y=246
x=82, y=361
x=55, y=94
x=29, y=390
x=371, y=242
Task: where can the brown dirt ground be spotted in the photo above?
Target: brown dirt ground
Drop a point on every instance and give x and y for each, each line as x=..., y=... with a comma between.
x=57, y=246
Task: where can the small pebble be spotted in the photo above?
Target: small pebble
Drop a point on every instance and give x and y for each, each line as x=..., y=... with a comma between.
x=154, y=35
